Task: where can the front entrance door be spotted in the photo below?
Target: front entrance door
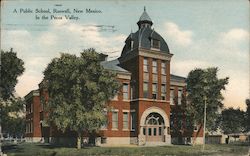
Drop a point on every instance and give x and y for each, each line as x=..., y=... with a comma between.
x=153, y=129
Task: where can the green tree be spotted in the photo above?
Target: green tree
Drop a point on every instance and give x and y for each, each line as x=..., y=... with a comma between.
x=201, y=84
x=13, y=121
x=11, y=68
x=232, y=120
x=247, y=115
x=79, y=88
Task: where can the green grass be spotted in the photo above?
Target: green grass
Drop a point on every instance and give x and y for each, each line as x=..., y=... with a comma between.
x=35, y=149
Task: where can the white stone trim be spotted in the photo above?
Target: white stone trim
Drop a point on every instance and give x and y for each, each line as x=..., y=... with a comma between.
x=114, y=110
x=158, y=110
x=33, y=139
x=124, y=76
x=125, y=110
x=182, y=84
x=155, y=54
x=151, y=100
x=114, y=141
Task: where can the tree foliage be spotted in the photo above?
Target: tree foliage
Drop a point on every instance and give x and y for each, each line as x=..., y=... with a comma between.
x=11, y=68
x=247, y=115
x=10, y=107
x=201, y=84
x=232, y=120
x=78, y=89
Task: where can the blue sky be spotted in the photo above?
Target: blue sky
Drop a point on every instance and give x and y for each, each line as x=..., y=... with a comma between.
x=199, y=33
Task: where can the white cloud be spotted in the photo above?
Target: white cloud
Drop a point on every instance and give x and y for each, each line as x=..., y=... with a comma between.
x=27, y=82
x=180, y=37
x=37, y=49
x=229, y=51
x=183, y=67
x=47, y=38
x=234, y=35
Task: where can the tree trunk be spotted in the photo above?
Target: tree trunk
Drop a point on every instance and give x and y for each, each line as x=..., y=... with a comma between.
x=79, y=140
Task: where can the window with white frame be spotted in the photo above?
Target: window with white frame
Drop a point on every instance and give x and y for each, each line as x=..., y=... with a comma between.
x=154, y=91
x=31, y=127
x=125, y=120
x=155, y=44
x=145, y=90
x=179, y=96
x=163, y=68
x=171, y=96
x=133, y=121
x=145, y=76
x=163, y=91
x=115, y=120
x=154, y=66
x=125, y=91
x=145, y=65
x=155, y=77
x=132, y=44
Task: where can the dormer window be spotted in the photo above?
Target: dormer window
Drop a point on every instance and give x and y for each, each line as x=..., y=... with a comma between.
x=132, y=44
x=155, y=44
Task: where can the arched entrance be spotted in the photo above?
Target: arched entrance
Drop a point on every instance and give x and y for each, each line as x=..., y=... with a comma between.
x=153, y=128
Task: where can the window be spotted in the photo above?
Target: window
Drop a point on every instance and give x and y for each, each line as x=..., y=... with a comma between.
x=163, y=79
x=155, y=78
x=31, y=127
x=154, y=66
x=27, y=127
x=179, y=96
x=145, y=90
x=154, y=91
x=145, y=77
x=30, y=108
x=149, y=131
x=42, y=101
x=115, y=98
x=172, y=97
x=125, y=120
x=114, y=120
x=171, y=121
x=155, y=43
x=132, y=44
x=133, y=121
x=155, y=131
x=159, y=130
x=145, y=65
x=131, y=92
x=163, y=91
x=125, y=91
x=163, y=68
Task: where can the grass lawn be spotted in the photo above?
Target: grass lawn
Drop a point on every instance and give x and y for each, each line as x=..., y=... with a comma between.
x=35, y=149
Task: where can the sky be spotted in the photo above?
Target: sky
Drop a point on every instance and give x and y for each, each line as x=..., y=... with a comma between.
x=199, y=33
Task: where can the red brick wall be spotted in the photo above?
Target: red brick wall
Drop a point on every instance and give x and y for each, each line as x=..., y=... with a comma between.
x=36, y=117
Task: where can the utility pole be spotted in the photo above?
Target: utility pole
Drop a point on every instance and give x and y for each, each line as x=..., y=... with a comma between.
x=1, y=153
x=204, y=124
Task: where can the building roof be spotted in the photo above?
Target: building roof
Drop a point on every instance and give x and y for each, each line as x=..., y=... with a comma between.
x=177, y=78
x=32, y=94
x=114, y=66
x=145, y=17
x=142, y=39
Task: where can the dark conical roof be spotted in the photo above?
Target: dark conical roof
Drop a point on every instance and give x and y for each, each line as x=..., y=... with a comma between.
x=144, y=18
